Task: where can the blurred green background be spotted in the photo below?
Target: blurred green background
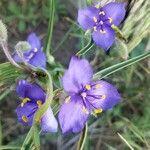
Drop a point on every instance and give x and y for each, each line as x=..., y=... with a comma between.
x=125, y=127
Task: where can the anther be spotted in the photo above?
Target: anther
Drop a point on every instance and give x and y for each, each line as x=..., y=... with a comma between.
x=102, y=31
x=101, y=13
x=103, y=97
x=35, y=49
x=39, y=103
x=98, y=86
x=24, y=118
x=95, y=28
x=85, y=110
x=95, y=19
x=67, y=100
x=110, y=20
x=24, y=101
x=88, y=87
x=98, y=111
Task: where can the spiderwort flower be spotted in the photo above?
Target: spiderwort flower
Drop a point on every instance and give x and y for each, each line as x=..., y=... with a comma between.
x=35, y=56
x=33, y=97
x=100, y=21
x=85, y=96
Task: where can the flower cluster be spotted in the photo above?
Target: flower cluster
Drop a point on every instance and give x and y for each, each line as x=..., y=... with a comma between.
x=100, y=20
x=85, y=97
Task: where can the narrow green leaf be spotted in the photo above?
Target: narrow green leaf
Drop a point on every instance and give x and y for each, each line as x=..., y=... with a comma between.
x=82, y=139
x=108, y=71
x=27, y=139
x=9, y=147
x=85, y=49
x=1, y=134
x=125, y=141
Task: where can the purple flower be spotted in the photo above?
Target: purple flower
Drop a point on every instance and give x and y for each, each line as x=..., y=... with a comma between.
x=33, y=97
x=35, y=56
x=100, y=21
x=85, y=96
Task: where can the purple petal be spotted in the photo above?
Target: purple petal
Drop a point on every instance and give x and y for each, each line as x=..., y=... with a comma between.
x=27, y=112
x=17, y=58
x=78, y=74
x=34, y=41
x=22, y=87
x=31, y=91
x=37, y=59
x=71, y=116
x=116, y=11
x=104, y=40
x=106, y=94
x=85, y=17
x=48, y=121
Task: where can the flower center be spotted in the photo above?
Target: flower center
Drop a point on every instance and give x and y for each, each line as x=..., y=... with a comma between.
x=101, y=21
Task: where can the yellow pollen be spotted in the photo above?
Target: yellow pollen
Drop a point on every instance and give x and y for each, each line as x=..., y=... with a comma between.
x=24, y=118
x=24, y=101
x=39, y=103
x=110, y=20
x=98, y=111
x=95, y=29
x=67, y=100
x=101, y=13
x=98, y=86
x=103, y=97
x=102, y=31
x=95, y=19
x=88, y=87
x=85, y=110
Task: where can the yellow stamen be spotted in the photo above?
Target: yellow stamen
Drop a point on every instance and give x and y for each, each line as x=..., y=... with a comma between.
x=95, y=28
x=88, y=87
x=24, y=101
x=101, y=13
x=98, y=86
x=24, y=118
x=95, y=19
x=98, y=111
x=110, y=20
x=85, y=110
x=102, y=31
x=103, y=97
x=39, y=103
x=67, y=100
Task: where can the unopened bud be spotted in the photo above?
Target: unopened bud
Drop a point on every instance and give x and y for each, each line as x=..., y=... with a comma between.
x=3, y=32
x=23, y=46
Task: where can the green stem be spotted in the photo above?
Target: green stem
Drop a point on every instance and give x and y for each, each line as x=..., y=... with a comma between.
x=82, y=139
x=50, y=30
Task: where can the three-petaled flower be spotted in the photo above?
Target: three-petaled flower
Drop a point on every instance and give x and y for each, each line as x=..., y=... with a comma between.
x=85, y=96
x=100, y=20
x=33, y=97
x=35, y=56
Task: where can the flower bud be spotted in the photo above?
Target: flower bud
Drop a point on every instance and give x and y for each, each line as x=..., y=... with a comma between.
x=3, y=32
x=23, y=46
